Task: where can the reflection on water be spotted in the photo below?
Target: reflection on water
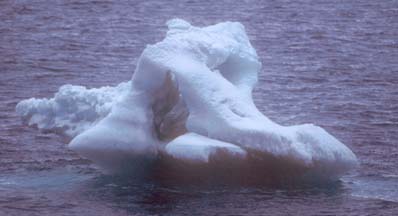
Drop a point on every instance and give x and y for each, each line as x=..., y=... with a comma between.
x=135, y=195
x=72, y=192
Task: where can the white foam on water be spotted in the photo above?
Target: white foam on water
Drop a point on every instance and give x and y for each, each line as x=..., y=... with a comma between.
x=384, y=187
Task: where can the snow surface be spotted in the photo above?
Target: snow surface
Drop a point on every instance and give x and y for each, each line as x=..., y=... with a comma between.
x=190, y=98
x=73, y=108
x=195, y=148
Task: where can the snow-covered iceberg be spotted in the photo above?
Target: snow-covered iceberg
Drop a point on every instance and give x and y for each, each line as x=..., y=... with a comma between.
x=189, y=100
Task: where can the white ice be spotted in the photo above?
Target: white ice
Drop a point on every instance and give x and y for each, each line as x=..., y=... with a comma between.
x=195, y=148
x=73, y=108
x=190, y=98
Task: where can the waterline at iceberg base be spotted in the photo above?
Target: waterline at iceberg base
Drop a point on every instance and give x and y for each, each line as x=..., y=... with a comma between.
x=188, y=113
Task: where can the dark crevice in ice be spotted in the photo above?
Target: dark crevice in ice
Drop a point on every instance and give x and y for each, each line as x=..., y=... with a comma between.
x=169, y=110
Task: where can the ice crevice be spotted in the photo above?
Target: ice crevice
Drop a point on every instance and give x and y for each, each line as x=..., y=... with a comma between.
x=190, y=98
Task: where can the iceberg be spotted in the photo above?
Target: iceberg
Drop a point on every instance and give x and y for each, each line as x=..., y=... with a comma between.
x=190, y=101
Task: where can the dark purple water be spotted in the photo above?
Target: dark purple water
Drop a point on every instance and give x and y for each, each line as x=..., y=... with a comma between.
x=334, y=64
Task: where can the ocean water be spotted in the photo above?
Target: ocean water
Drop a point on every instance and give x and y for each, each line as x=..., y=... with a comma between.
x=331, y=63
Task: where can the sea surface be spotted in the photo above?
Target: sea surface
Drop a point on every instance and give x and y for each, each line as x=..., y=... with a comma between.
x=332, y=63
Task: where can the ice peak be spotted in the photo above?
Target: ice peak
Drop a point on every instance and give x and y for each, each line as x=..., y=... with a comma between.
x=178, y=24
